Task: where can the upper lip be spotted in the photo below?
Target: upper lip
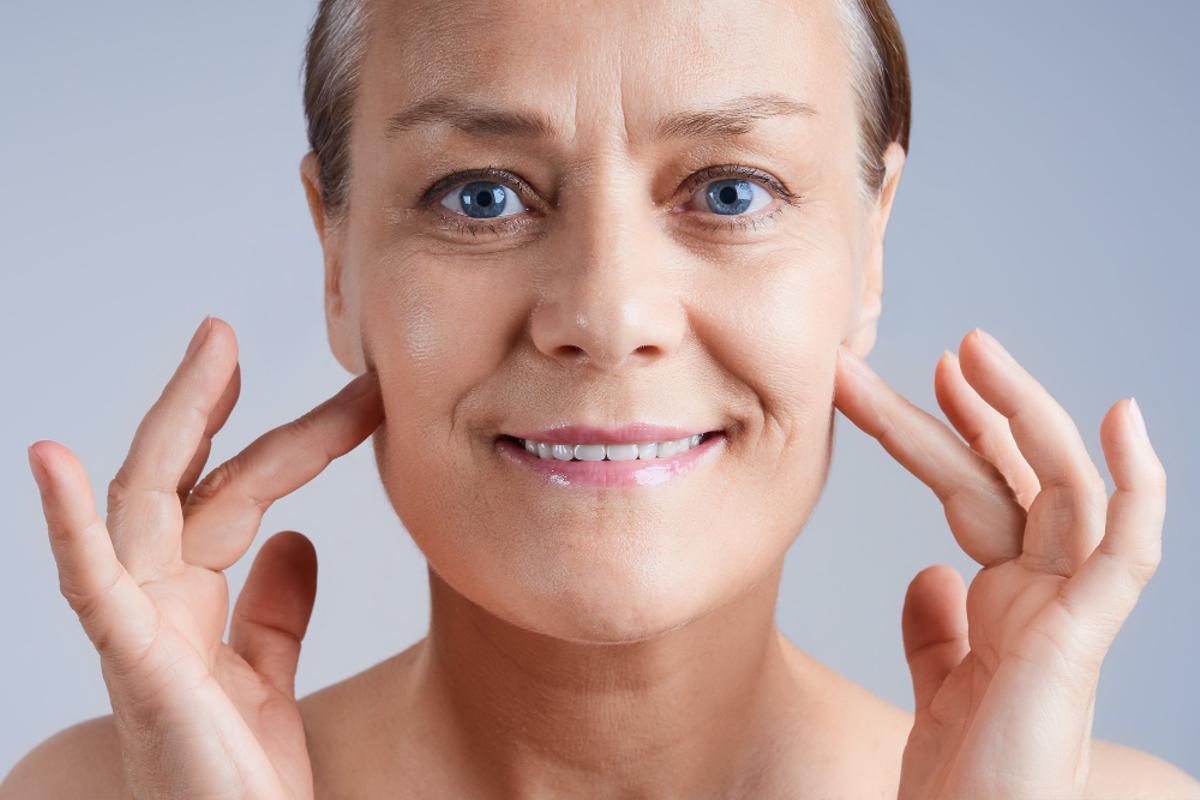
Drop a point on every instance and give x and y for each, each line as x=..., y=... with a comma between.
x=633, y=433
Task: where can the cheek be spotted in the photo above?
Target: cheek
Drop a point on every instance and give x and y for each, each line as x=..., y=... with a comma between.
x=775, y=330
x=431, y=346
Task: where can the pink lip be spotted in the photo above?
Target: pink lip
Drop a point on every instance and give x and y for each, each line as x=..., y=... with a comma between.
x=611, y=473
x=634, y=433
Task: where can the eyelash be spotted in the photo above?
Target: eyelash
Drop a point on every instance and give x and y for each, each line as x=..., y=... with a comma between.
x=463, y=225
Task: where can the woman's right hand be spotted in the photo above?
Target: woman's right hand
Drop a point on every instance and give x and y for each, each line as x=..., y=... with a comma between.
x=196, y=716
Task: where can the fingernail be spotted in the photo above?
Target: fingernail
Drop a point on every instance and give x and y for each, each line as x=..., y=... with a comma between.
x=199, y=336
x=855, y=362
x=994, y=345
x=1135, y=416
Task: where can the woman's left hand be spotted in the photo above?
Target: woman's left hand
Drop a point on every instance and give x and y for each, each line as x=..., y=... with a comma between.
x=1005, y=673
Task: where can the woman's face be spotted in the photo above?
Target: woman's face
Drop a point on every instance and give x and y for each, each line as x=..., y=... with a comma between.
x=620, y=275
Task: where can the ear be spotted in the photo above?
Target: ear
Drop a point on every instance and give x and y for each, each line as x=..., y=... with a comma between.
x=341, y=324
x=870, y=305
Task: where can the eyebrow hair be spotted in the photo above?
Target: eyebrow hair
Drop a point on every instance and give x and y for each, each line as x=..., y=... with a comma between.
x=733, y=117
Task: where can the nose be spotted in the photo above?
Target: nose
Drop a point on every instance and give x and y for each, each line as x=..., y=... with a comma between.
x=609, y=300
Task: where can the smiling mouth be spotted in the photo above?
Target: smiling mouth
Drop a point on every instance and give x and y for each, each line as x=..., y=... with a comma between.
x=643, y=451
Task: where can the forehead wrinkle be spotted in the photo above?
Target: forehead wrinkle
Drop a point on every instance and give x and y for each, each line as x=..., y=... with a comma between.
x=433, y=66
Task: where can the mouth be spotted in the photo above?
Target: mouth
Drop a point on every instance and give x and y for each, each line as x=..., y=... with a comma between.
x=649, y=450
x=613, y=464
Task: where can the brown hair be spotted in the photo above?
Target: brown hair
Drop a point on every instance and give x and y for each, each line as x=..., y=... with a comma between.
x=337, y=43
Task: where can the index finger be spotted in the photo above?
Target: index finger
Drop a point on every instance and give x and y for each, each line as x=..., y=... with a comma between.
x=224, y=510
x=985, y=518
x=143, y=496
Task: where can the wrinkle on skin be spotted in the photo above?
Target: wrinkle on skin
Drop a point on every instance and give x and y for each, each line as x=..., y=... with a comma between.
x=618, y=640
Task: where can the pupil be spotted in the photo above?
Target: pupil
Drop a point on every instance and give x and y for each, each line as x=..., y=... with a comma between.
x=730, y=196
x=482, y=199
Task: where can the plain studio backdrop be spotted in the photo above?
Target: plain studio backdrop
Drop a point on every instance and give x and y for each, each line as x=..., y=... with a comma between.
x=151, y=158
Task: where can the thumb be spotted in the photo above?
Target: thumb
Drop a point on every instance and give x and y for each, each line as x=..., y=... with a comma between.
x=272, y=612
x=934, y=623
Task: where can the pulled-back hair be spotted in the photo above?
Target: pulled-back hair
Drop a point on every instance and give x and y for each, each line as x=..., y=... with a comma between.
x=337, y=46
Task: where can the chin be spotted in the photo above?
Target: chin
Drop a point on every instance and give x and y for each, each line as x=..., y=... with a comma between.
x=626, y=595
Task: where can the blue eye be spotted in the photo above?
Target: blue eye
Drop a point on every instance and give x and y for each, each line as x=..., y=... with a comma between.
x=732, y=196
x=483, y=200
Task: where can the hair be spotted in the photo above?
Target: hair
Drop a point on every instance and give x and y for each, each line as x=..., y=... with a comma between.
x=337, y=44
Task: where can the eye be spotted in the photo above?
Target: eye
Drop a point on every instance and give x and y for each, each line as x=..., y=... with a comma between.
x=731, y=197
x=483, y=200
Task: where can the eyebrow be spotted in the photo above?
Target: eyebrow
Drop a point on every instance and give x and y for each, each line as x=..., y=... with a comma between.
x=733, y=117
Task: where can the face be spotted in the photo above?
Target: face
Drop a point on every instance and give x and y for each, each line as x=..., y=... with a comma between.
x=616, y=269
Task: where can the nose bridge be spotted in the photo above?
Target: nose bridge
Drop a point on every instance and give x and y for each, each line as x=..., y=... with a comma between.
x=608, y=298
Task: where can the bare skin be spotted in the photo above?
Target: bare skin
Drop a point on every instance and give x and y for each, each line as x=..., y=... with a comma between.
x=605, y=642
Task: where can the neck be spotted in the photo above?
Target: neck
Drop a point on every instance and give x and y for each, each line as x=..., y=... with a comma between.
x=682, y=713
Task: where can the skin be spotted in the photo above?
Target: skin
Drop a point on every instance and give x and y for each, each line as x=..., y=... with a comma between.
x=609, y=642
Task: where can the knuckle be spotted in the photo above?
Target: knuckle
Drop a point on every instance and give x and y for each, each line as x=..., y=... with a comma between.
x=1095, y=489
x=305, y=424
x=86, y=604
x=1142, y=572
x=1142, y=565
x=215, y=481
x=118, y=490
x=132, y=662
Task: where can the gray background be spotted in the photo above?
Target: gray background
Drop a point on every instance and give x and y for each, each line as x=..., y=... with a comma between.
x=150, y=157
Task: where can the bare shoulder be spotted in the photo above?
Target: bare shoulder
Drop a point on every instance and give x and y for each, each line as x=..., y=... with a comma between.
x=881, y=729
x=343, y=723
x=1126, y=773
x=83, y=760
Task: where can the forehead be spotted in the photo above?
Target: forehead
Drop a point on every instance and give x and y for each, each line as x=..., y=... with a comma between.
x=602, y=67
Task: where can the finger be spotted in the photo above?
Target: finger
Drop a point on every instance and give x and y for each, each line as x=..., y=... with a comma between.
x=984, y=428
x=225, y=509
x=934, y=625
x=1102, y=592
x=216, y=421
x=144, y=516
x=272, y=612
x=1066, y=518
x=984, y=517
x=116, y=615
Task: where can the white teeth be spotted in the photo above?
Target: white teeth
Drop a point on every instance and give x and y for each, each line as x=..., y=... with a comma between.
x=671, y=448
x=621, y=452
x=589, y=452
x=613, y=452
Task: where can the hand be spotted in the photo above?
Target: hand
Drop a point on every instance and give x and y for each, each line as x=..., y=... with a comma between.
x=197, y=717
x=1005, y=673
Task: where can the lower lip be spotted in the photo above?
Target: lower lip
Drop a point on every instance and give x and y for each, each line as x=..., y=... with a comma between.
x=634, y=472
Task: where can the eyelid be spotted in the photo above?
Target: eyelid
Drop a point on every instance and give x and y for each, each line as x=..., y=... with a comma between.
x=725, y=171
x=442, y=186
